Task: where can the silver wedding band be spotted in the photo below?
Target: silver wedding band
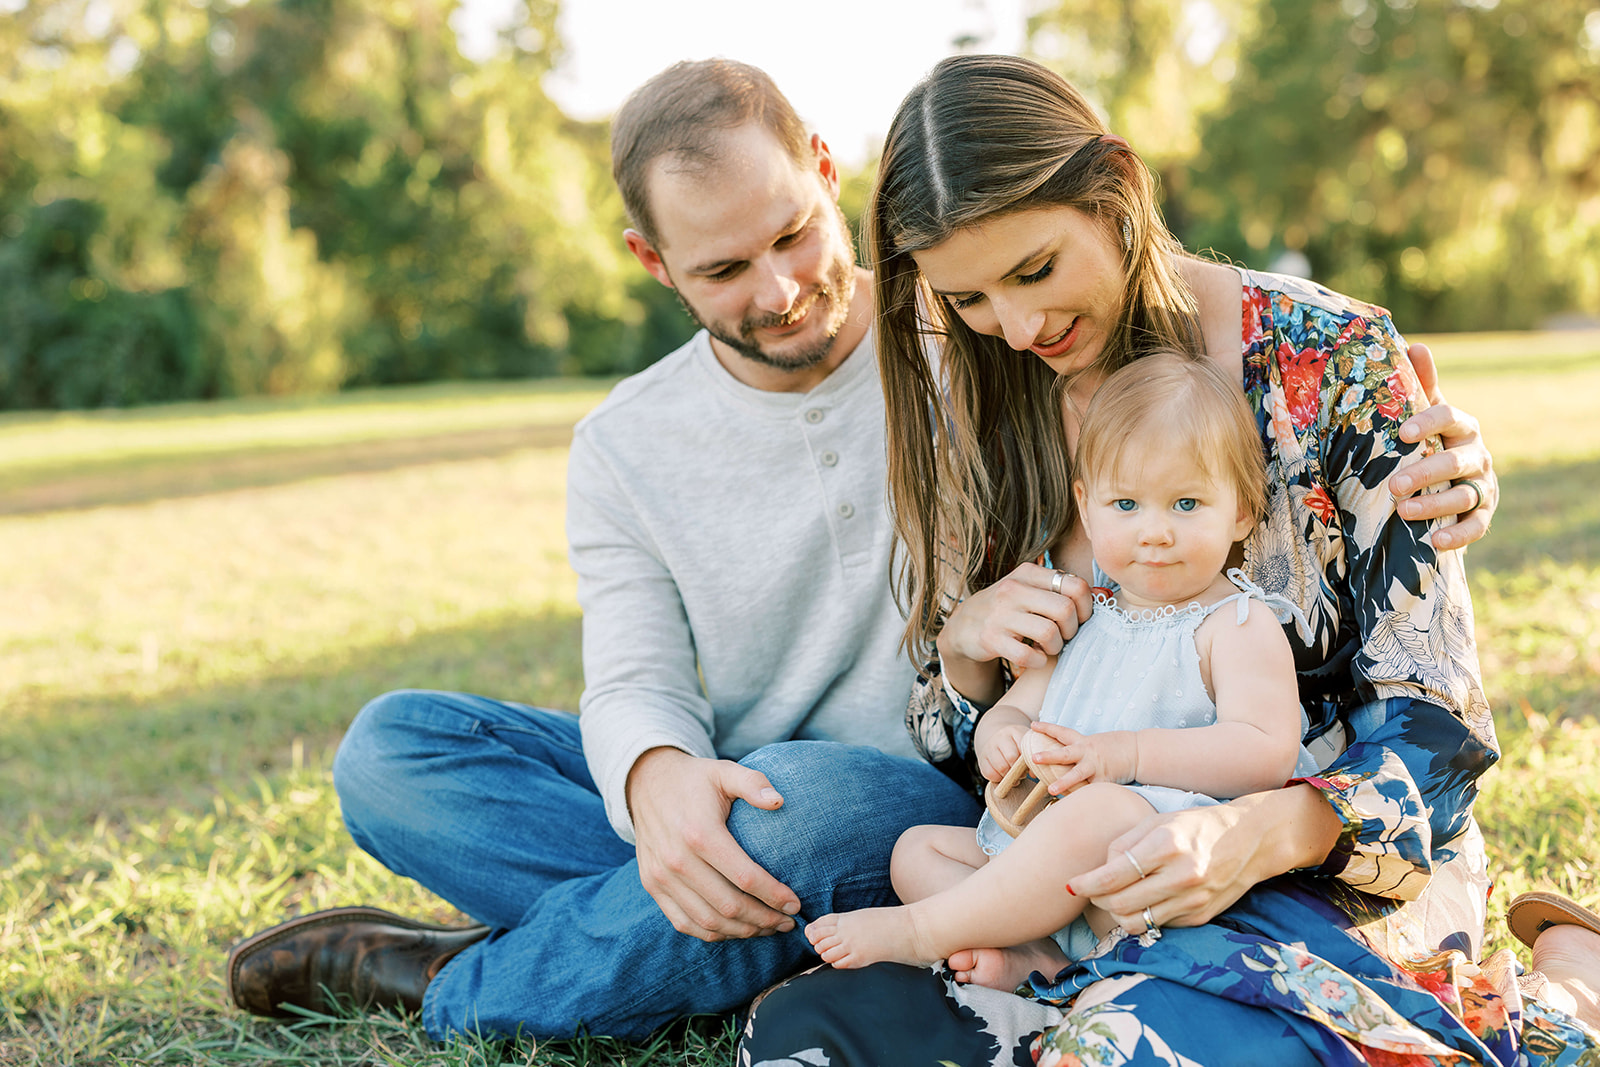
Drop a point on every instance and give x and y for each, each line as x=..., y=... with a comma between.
x=1472, y=483
x=1061, y=576
x=1150, y=922
x=1135, y=863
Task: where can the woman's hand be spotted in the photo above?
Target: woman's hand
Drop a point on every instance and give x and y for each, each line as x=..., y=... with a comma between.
x=1023, y=618
x=1187, y=867
x=1464, y=459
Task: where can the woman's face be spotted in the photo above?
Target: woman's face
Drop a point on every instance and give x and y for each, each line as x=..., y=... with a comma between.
x=1047, y=280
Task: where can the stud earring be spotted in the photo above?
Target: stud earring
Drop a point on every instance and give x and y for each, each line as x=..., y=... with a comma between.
x=1127, y=234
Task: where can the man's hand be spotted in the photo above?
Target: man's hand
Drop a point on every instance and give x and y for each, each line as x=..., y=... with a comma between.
x=704, y=883
x=1465, y=457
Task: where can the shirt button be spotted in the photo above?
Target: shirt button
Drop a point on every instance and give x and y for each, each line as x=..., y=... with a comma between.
x=829, y=459
x=814, y=416
x=846, y=510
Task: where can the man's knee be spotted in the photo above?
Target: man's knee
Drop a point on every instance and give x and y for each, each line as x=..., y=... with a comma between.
x=804, y=832
x=378, y=752
x=843, y=808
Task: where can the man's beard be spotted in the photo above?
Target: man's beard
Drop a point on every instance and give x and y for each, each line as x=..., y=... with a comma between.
x=832, y=299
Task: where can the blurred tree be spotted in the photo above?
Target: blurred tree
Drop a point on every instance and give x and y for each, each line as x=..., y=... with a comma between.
x=93, y=309
x=1153, y=67
x=73, y=340
x=318, y=192
x=1156, y=69
x=276, y=313
x=1441, y=157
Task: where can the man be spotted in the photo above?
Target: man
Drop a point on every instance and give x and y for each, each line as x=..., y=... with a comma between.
x=726, y=513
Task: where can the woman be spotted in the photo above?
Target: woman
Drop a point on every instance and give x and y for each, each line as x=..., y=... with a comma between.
x=1330, y=921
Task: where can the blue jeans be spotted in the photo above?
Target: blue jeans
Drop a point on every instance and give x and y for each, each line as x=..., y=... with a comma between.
x=491, y=806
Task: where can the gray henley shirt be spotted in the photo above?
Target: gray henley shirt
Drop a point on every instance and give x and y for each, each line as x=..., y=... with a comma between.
x=732, y=548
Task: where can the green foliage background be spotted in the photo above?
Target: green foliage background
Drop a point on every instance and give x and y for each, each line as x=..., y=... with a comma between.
x=1439, y=157
x=210, y=198
x=294, y=196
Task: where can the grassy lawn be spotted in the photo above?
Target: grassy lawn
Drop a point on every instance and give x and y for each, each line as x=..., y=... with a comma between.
x=198, y=598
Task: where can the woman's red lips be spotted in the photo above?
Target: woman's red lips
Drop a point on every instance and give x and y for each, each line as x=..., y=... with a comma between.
x=1059, y=344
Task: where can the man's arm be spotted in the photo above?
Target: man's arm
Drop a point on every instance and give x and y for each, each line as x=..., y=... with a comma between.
x=647, y=725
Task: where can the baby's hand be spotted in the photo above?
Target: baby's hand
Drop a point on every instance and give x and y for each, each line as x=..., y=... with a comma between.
x=1000, y=750
x=1107, y=757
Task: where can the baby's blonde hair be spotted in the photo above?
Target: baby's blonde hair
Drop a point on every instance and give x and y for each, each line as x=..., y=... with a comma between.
x=1197, y=409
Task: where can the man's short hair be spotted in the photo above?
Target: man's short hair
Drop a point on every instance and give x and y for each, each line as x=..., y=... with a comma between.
x=682, y=112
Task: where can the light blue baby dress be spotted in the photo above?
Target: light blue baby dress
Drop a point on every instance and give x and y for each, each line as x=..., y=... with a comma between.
x=1140, y=670
x=1134, y=671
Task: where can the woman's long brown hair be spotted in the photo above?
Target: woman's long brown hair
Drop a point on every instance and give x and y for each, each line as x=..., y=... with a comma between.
x=979, y=473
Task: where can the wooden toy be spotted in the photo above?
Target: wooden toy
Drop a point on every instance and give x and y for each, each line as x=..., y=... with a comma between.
x=1006, y=802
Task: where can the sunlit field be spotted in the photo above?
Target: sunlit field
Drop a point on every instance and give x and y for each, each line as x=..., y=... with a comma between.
x=198, y=598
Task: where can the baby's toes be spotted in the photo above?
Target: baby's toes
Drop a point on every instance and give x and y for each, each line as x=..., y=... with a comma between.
x=831, y=949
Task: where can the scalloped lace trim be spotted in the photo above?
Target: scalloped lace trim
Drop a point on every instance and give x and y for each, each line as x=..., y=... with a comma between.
x=1170, y=611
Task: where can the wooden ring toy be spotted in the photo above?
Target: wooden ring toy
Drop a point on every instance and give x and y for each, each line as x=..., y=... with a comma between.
x=1007, y=805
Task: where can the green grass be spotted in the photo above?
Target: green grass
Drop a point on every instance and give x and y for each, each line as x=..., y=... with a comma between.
x=198, y=598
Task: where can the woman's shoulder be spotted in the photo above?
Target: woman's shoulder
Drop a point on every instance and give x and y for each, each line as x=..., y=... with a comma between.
x=1315, y=335
x=1318, y=361
x=1286, y=297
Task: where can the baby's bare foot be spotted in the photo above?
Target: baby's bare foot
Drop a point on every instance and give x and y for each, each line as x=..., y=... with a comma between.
x=1007, y=968
x=859, y=938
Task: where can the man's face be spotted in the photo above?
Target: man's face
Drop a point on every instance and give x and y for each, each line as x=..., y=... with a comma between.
x=757, y=250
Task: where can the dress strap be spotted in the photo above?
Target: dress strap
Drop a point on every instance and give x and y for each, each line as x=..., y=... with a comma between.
x=1282, y=608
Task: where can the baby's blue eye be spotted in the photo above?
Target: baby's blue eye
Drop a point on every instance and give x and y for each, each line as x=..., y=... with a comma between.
x=1188, y=503
x=1124, y=504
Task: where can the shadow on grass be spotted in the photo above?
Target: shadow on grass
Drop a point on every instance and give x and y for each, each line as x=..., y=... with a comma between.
x=139, y=480
x=74, y=761
x=1548, y=511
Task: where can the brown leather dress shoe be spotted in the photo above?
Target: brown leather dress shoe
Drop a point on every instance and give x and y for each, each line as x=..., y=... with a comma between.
x=341, y=958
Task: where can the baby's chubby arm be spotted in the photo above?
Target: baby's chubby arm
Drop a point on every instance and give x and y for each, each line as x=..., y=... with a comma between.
x=1251, y=747
x=997, y=738
x=1256, y=738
